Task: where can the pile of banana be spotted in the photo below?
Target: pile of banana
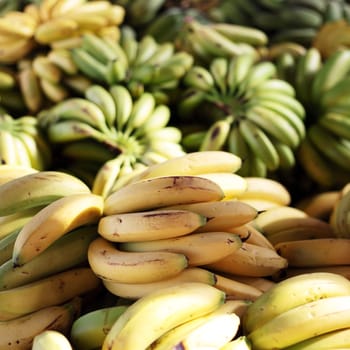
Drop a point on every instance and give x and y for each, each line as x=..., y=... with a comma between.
x=108, y=134
x=240, y=105
x=321, y=85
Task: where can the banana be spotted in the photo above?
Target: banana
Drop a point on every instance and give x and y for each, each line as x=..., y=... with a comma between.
x=8, y=148
x=76, y=108
x=200, y=78
x=74, y=245
x=236, y=290
x=260, y=143
x=250, y=260
x=110, y=263
x=104, y=100
x=51, y=339
x=338, y=215
x=30, y=89
x=306, y=287
x=10, y=172
x=319, y=205
x=135, y=291
x=161, y=192
x=336, y=122
x=338, y=339
x=62, y=7
x=232, y=184
x=210, y=331
x=266, y=189
x=89, y=65
x=276, y=85
x=176, y=305
x=194, y=163
x=63, y=286
x=16, y=50
x=19, y=333
x=300, y=323
x=219, y=69
x=6, y=246
x=338, y=151
x=199, y=248
x=38, y=189
x=221, y=215
x=261, y=283
x=216, y=136
x=89, y=330
x=53, y=221
x=315, y=252
x=239, y=33
x=149, y=225
x=45, y=69
x=331, y=72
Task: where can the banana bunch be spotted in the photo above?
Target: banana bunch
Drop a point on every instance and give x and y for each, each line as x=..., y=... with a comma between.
x=180, y=221
x=283, y=21
x=140, y=65
x=206, y=41
x=308, y=311
x=22, y=143
x=57, y=23
x=190, y=314
x=48, y=219
x=110, y=133
x=243, y=108
x=321, y=85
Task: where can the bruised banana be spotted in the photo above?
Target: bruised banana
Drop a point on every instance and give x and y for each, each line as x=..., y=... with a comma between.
x=149, y=225
x=138, y=327
x=53, y=221
x=162, y=191
x=110, y=263
x=38, y=189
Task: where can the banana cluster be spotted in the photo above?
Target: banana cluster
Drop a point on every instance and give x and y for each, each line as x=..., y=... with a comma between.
x=47, y=219
x=182, y=221
x=22, y=144
x=110, y=133
x=308, y=311
x=140, y=64
x=57, y=23
x=241, y=106
x=283, y=21
x=321, y=85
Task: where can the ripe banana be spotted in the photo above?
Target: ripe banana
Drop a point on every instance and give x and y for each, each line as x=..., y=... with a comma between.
x=110, y=263
x=239, y=343
x=149, y=225
x=38, y=189
x=221, y=215
x=299, y=290
x=250, y=260
x=53, y=221
x=315, y=252
x=138, y=327
x=199, y=248
x=194, y=163
x=51, y=339
x=74, y=245
x=63, y=286
x=162, y=191
x=89, y=330
x=19, y=333
x=302, y=322
x=135, y=291
x=10, y=172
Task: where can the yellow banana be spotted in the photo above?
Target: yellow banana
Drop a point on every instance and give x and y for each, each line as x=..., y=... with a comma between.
x=161, y=192
x=63, y=286
x=110, y=263
x=149, y=225
x=194, y=163
x=139, y=290
x=221, y=215
x=19, y=333
x=53, y=221
x=138, y=327
x=10, y=172
x=51, y=339
x=199, y=248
